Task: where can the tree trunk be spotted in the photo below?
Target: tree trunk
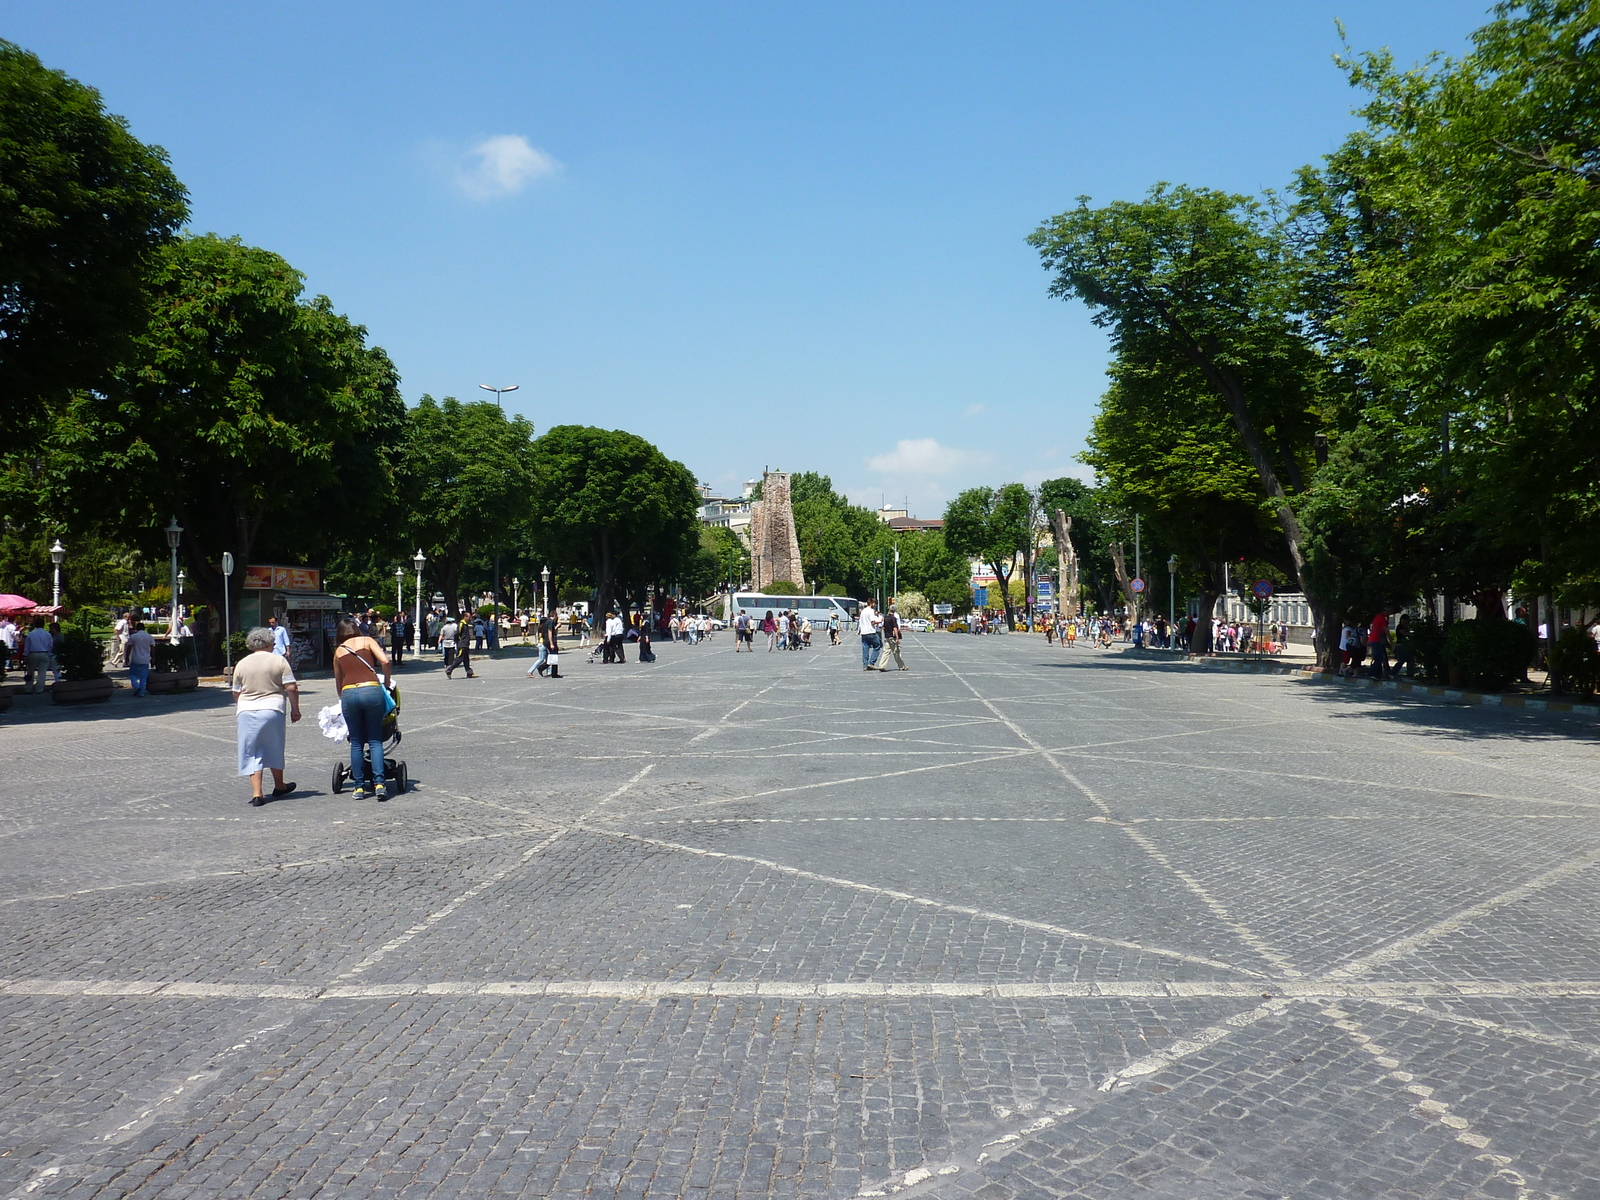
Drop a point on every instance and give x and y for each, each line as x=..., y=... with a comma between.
x=1123, y=581
x=1200, y=643
x=1005, y=595
x=1329, y=625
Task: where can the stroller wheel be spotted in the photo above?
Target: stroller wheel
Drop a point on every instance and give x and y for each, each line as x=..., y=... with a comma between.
x=340, y=774
x=402, y=780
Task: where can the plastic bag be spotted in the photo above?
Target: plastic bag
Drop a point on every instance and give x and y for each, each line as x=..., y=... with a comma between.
x=331, y=721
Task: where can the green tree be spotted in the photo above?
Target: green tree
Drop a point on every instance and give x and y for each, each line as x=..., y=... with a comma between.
x=466, y=473
x=1201, y=277
x=601, y=499
x=994, y=525
x=1457, y=279
x=244, y=412
x=1177, y=462
x=83, y=207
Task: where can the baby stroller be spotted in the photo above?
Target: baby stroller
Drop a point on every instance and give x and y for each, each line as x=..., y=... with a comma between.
x=394, y=769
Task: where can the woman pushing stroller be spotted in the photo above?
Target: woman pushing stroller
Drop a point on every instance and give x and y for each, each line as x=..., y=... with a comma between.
x=361, y=675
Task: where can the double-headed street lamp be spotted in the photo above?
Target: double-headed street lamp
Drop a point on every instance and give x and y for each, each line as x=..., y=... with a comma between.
x=58, y=554
x=499, y=391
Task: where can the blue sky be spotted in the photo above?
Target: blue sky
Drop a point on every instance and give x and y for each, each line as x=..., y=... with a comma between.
x=759, y=235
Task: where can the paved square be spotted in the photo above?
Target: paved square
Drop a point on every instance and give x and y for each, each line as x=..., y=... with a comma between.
x=1019, y=922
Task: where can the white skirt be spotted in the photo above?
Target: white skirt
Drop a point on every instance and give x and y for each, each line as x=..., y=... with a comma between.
x=261, y=737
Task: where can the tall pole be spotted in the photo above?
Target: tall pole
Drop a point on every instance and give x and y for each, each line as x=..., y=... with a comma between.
x=399, y=596
x=419, y=630
x=227, y=610
x=897, y=570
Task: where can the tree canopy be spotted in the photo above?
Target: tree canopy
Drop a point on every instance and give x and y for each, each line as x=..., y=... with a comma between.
x=83, y=207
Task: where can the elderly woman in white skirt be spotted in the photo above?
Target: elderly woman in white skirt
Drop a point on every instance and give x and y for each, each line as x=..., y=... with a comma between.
x=263, y=689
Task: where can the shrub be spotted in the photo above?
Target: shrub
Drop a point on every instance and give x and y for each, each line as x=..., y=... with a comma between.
x=913, y=604
x=1575, y=662
x=386, y=611
x=1426, y=639
x=82, y=655
x=1489, y=654
x=780, y=587
x=236, y=645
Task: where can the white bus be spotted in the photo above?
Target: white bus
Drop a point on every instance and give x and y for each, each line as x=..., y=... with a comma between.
x=816, y=609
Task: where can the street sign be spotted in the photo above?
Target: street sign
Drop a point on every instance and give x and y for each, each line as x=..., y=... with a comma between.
x=980, y=597
x=1046, y=590
x=227, y=562
x=1138, y=586
x=1262, y=588
x=943, y=610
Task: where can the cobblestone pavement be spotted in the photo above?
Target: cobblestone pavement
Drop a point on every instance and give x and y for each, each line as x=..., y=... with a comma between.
x=1020, y=922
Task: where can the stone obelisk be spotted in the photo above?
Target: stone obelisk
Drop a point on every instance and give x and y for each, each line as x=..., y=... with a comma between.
x=774, y=548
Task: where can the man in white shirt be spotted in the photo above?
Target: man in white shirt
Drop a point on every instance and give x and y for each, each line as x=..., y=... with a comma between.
x=36, y=647
x=140, y=644
x=119, y=640
x=613, y=643
x=280, y=638
x=869, y=623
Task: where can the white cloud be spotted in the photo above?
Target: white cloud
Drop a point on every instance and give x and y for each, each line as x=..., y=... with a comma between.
x=973, y=410
x=501, y=165
x=921, y=456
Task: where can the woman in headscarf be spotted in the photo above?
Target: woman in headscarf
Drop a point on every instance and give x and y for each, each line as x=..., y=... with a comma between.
x=263, y=688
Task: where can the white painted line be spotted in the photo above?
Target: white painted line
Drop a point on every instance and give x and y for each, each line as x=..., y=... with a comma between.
x=1193, y=1044
x=1401, y=947
x=1396, y=995
x=981, y=914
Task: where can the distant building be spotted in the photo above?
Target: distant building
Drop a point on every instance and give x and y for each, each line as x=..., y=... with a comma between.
x=729, y=512
x=901, y=521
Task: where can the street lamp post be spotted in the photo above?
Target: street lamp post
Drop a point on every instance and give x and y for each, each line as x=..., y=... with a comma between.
x=58, y=554
x=544, y=607
x=1172, y=595
x=510, y=387
x=174, y=533
x=418, y=562
x=177, y=597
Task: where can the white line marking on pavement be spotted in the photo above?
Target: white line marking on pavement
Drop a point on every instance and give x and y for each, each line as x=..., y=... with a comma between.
x=1395, y=995
x=1498, y=1028
x=1239, y=929
x=828, y=783
x=981, y=914
x=1218, y=909
x=1428, y=1107
x=480, y=887
x=1400, y=947
x=1193, y=1044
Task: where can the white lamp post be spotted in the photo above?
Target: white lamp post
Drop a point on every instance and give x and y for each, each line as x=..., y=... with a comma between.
x=174, y=533
x=545, y=576
x=58, y=553
x=510, y=387
x=177, y=599
x=399, y=597
x=418, y=562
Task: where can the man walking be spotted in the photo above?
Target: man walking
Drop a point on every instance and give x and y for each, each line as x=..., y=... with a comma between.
x=1378, y=645
x=868, y=623
x=280, y=638
x=140, y=644
x=891, y=641
x=613, y=652
x=36, y=661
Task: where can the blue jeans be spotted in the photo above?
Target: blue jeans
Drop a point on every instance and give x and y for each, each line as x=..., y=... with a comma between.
x=871, y=647
x=138, y=677
x=363, y=709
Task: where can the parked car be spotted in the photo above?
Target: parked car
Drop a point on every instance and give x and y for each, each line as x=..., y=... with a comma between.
x=918, y=624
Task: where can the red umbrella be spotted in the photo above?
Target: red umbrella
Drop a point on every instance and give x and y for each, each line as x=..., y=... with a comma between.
x=14, y=603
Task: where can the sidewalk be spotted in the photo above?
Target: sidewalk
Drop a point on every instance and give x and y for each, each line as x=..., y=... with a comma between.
x=1302, y=666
